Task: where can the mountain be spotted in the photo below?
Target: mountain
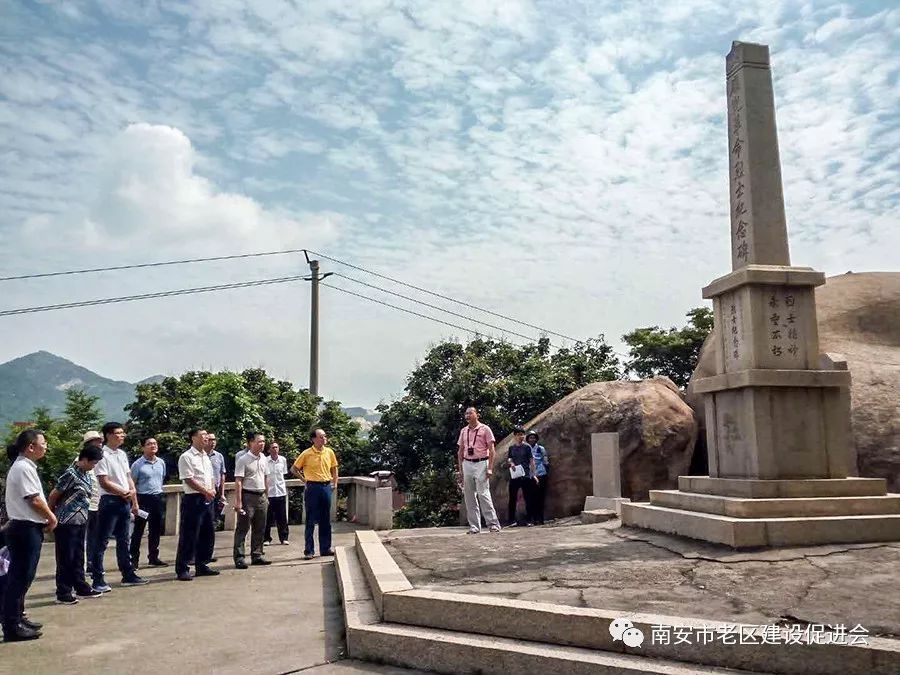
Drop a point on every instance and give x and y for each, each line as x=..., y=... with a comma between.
x=42, y=378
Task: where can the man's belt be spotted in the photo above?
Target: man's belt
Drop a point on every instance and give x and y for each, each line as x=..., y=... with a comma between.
x=483, y=459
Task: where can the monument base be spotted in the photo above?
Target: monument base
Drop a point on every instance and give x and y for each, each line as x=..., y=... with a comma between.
x=758, y=513
x=607, y=503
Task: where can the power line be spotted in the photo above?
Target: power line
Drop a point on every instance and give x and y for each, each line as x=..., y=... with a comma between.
x=438, y=308
x=446, y=297
x=153, y=264
x=408, y=311
x=147, y=296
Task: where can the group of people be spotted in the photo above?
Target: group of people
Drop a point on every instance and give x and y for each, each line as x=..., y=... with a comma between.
x=101, y=496
x=529, y=470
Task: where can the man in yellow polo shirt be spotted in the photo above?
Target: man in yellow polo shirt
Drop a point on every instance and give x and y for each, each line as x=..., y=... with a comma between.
x=318, y=467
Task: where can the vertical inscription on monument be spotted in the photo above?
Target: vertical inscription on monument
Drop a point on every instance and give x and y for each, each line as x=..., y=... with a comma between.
x=785, y=341
x=758, y=228
x=733, y=346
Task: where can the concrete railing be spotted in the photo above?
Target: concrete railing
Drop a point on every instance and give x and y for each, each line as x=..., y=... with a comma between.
x=370, y=502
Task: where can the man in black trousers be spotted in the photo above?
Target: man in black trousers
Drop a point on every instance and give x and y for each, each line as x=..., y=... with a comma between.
x=197, y=528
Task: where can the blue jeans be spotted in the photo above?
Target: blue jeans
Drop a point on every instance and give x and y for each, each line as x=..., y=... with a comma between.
x=114, y=520
x=318, y=512
x=24, y=539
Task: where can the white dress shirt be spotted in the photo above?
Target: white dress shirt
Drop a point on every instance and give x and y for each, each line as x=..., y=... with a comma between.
x=22, y=483
x=253, y=469
x=115, y=467
x=195, y=464
x=277, y=469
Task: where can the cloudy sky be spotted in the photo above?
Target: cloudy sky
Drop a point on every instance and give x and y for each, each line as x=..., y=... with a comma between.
x=560, y=162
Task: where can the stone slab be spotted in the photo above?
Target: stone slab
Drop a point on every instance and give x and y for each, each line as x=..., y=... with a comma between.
x=784, y=507
x=605, y=465
x=382, y=573
x=771, y=489
x=592, y=503
x=767, y=275
x=444, y=651
x=772, y=378
x=597, y=516
x=589, y=628
x=758, y=532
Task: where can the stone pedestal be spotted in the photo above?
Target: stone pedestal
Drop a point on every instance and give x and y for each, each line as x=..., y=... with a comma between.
x=605, y=474
x=777, y=412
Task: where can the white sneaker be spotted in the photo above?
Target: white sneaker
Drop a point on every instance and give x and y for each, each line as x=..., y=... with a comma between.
x=472, y=530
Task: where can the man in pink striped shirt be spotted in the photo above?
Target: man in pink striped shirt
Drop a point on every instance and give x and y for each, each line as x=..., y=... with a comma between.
x=475, y=463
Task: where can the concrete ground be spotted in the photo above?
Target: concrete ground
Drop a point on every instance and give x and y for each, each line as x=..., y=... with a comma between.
x=282, y=618
x=606, y=566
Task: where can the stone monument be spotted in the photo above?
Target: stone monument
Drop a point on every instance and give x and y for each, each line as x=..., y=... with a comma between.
x=777, y=412
x=605, y=474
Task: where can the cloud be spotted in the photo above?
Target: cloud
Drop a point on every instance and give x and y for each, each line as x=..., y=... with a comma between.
x=554, y=160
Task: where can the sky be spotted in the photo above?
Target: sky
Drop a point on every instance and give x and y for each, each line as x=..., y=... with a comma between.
x=561, y=163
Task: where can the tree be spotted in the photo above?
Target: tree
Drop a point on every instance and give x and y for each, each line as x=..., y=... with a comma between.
x=508, y=384
x=673, y=352
x=231, y=404
x=64, y=435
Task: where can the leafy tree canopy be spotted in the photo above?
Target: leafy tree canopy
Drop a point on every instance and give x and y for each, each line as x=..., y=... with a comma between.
x=673, y=352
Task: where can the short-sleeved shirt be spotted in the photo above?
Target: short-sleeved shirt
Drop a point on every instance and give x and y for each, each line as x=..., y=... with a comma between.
x=316, y=464
x=277, y=469
x=195, y=464
x=217, y=459
x=95, y=492
x=23, y=483
x=521, y=456
x=148, y=476
x=252, y=470
x=541, y=459
x=479, y=439
x=75, y=486
x=114, y=466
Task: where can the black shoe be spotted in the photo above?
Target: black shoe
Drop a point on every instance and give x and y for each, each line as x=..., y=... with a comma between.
x=213, y=560
x=327, y=554
x=240, y=564
x=88, y=592
x=134, y=580
x=206, y=572
x=19, y=633
x=261, y=561
x=513, y=524
x=28, y=623
x=158, y=563
x=185, y=576
x=66, y=600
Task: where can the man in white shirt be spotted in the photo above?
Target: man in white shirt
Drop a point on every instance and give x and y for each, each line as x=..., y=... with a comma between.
x=277, y=494
x=118, y=502
x=197, y=527
x=29, y=516
x=251, y=487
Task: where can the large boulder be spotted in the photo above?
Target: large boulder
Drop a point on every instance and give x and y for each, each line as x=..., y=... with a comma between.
x=858, y=317
x=656, y=436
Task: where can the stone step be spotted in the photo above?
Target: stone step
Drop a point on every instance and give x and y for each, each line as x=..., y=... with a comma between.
x=756, y=532
x=771, y=489
x=737, y=507
x=690, y=640
x=444, y=651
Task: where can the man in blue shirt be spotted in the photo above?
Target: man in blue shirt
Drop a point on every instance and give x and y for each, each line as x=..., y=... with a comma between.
x=542, y=471
x=149, y=473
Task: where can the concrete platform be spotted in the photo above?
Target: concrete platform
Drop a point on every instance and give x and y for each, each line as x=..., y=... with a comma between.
x=772, y=489
x=762, y=532
x=737, y=507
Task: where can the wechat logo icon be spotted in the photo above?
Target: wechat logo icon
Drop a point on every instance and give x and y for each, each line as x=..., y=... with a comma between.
x=624, y=630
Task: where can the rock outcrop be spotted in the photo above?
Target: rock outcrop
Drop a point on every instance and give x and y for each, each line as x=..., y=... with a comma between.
x=656, y=429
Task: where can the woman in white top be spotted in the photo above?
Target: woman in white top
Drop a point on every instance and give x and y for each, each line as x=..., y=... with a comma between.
x=29, y=517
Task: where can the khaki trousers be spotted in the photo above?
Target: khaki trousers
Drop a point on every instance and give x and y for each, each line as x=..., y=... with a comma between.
x=253, y=520
x=477, y=492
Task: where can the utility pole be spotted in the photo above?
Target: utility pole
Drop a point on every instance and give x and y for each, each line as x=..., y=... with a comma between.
x=314, y=329
x=315, y=278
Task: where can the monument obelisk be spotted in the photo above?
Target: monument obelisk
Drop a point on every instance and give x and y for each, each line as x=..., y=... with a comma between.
x=777, y=412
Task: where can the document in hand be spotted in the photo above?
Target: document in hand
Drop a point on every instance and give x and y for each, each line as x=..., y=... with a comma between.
x=516, y=471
